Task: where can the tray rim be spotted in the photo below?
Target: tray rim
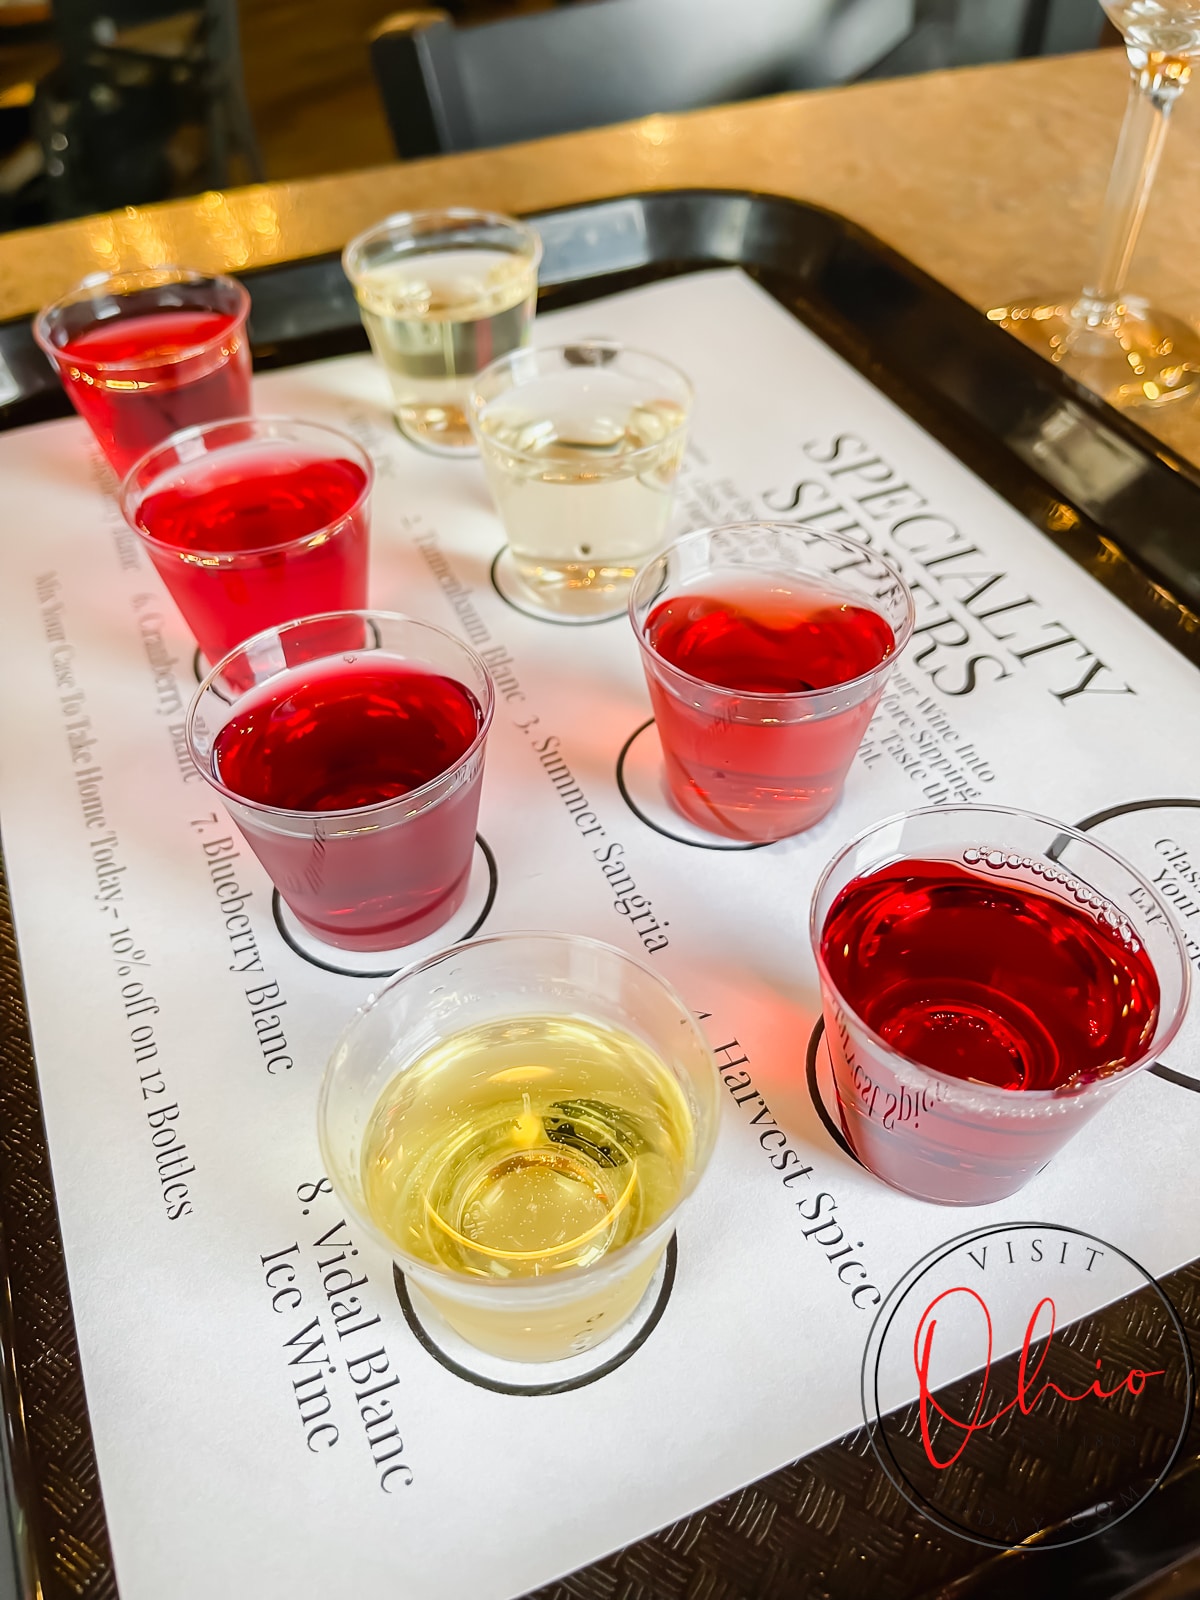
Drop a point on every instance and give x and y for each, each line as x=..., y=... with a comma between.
x=36, y=1572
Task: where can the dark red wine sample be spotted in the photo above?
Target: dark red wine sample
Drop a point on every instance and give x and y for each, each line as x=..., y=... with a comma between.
x=759, y=770
x=346, y=733
x=990, y=979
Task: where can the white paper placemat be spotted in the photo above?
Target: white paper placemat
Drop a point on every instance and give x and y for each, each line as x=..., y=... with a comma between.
x=181, y=1120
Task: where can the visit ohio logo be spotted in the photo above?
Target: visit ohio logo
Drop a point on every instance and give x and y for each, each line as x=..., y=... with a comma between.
x=1027, y=1384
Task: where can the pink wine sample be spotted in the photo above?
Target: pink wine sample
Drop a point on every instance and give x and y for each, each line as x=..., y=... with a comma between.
x=257, y=533
x=762, y=768
x=138, y=377
x=333, y=742
x=989, y=979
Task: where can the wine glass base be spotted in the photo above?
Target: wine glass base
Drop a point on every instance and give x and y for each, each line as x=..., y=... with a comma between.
x=1142, y=358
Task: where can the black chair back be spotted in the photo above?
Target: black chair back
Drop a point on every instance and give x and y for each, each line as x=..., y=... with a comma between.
x=580, y=66
x=131, y=73
x=583, y=65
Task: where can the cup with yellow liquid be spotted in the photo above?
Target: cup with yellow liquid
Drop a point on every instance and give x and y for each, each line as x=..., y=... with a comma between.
x=517, y=1121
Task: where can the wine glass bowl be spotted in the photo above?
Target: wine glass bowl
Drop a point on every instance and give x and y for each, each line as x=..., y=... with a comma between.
x=1129, y=352
x=1169, y=27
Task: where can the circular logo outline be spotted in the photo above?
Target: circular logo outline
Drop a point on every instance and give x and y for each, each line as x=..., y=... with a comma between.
x=873, y=1421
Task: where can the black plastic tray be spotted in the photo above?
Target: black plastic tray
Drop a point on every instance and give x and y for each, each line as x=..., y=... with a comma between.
x=1120, y=504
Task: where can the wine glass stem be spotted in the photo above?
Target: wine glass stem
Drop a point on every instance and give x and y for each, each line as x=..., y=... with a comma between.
x=1156, y=82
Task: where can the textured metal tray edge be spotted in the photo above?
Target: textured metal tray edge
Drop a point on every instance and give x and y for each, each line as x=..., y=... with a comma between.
x=60, y=1529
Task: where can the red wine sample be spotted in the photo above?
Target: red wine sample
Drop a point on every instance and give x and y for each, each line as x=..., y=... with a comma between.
x=147, y=336
x=193, y=366
x=264, y=502
x=770, y=638
x=990, y=979
x=251, y=498
x=344, y=734
x=750, y=769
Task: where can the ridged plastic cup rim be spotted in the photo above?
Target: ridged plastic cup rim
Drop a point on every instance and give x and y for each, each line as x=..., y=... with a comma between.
x=986, y=1091
x=477, y=404
x=448, y=216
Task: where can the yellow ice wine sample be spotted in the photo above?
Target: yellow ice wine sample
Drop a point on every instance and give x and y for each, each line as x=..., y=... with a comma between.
x=522, y=1147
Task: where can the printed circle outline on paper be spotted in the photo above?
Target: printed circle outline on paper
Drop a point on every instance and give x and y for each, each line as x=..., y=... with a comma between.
x=407, y=954
x=995, y=1398
x=528, y=609
x=639, y=1326
x=727, y=845
x=818, y=1099
x=1129, y=808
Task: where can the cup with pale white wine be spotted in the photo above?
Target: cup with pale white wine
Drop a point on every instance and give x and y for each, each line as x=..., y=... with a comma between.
x=582, y=444
x=442, y=294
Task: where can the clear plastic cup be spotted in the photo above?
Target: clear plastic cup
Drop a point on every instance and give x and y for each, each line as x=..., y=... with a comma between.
x=944, y=1137
x=372, y=848
x=144, y=354
x=750, y=764
x=252, y=522
x=490, y=1069
x=582, y=443
x=442, y=294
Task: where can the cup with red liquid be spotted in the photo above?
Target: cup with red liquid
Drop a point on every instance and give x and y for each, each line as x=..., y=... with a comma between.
x=254, y=521
x=348, y=748
x=990, y=980
x=766, y=647
x=144, y=354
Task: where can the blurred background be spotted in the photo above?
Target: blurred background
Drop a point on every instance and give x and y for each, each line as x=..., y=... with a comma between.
x=108, y=103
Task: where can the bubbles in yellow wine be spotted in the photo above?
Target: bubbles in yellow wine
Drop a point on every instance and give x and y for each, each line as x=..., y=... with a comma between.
x=521, y=1147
